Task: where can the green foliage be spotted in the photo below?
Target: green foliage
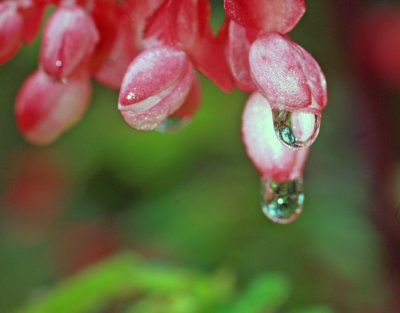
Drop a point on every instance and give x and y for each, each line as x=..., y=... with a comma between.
x=154, y=288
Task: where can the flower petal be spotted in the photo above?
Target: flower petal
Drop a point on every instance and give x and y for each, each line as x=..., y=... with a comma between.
x=238, y=57
x=266, y=15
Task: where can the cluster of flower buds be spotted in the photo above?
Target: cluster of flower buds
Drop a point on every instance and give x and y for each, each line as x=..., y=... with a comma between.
x=150, y=51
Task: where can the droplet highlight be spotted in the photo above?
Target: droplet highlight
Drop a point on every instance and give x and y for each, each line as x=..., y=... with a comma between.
x=295, y=129
x=172, y=124
x=282, y=202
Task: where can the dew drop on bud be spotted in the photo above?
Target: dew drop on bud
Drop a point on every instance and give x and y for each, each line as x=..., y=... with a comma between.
x=282, y=202
x=172, y=124
x=296, y=129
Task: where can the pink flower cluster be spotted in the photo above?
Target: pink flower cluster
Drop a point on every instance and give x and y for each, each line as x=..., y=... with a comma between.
x=150, y=50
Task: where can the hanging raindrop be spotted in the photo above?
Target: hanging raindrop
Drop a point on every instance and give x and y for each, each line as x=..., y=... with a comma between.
x=296, y=129
x=282, y=202
x=172, y=124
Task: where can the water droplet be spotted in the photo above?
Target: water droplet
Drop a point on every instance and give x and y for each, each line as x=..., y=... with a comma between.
x=172, y=124
x=282, y=202
x=296, y=129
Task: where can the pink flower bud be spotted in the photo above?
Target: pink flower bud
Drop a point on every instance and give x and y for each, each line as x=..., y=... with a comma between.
x=272, y=159
x=238, y=56
x=287, y=75
x=185, y=24
x=68, y=41
x=45, y=108
x=266, y=15
x=11, y=25
x=155, y=85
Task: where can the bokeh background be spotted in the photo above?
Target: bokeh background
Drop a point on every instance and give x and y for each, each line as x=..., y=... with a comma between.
x=190, y=199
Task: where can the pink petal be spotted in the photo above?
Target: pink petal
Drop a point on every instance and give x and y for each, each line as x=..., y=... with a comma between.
x=68, y=41
x=180, y=22
x=266, y=15
x=45, y=108
x=272, y=159
x=238, y=57
x=192, y=101
x=113, y=69
x=185, y=24
x=11, y=25
x=155, y=85
x=32, y=13
x=106, y=17
x=287, y=75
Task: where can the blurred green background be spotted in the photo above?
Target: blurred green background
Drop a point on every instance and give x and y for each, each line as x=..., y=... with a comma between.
x=186, y=201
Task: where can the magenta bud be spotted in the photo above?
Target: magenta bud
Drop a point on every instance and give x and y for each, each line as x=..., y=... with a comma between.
x=68, y=41
x=155, y=85
x=45, y=108
x=287, y=75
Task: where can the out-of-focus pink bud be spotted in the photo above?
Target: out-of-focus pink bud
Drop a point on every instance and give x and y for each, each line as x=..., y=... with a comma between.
x=287, y=75
x=272, y=159
x=11, y=25
x=68, y=41
x=36, y=184
x=266, y=15
x=376, y=42
x=155, y=85
x=45, y=108
x=238, y=48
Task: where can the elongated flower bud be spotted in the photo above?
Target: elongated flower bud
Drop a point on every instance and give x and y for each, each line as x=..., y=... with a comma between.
x=11, y=25
x=68, y=41
x=287, y=75
x=266, y=15
x=272, y=159
x=45, y=108
x=155, y=85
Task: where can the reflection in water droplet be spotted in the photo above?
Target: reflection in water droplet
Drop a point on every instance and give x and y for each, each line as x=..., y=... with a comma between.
x=172, y=124
x=282, y=202
x=296, y=129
